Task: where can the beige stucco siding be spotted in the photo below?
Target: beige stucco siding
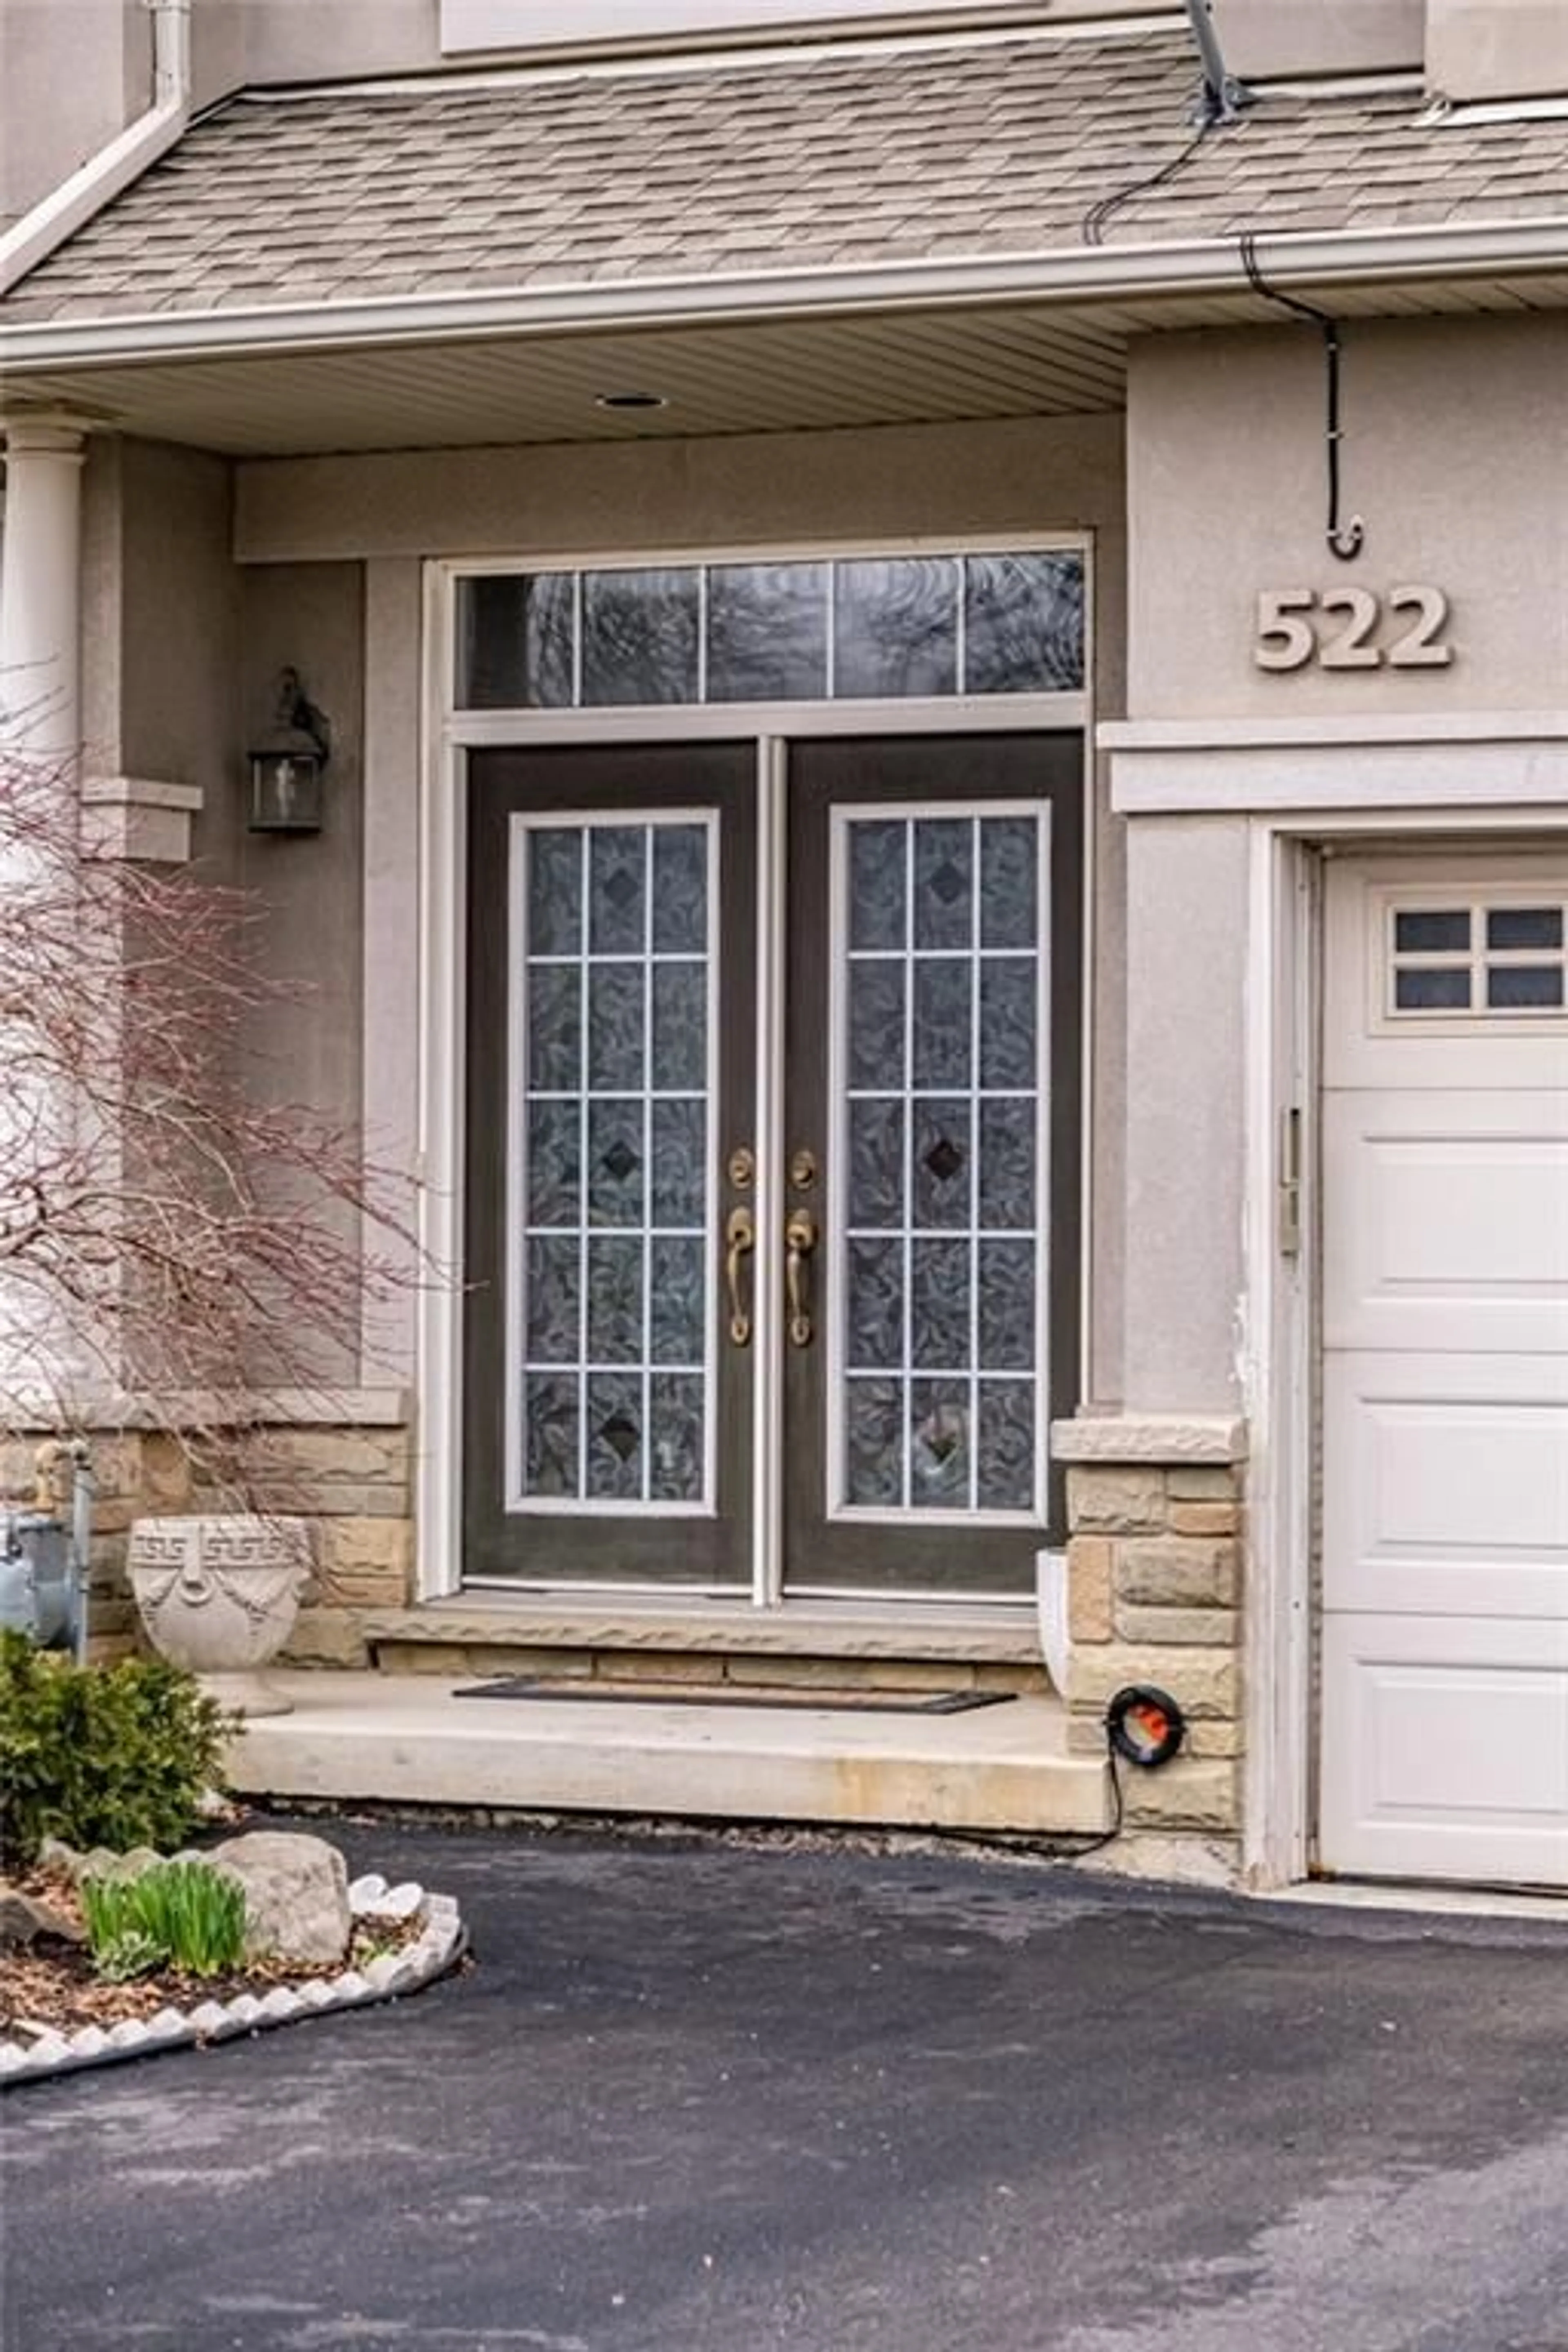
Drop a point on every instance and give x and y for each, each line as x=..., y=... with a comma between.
x=1186, y=1028
x=1456, y=456
x=161, y=628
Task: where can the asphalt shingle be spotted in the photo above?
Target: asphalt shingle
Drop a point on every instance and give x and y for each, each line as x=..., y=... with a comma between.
x=1002, y=148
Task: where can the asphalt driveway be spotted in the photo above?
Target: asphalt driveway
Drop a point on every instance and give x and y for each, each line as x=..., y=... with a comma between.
x=725, y=2099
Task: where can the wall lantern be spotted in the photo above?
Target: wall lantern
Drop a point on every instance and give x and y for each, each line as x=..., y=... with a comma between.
x=286, y=771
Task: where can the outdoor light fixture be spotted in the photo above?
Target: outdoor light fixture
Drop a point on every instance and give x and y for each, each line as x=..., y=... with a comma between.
x=286, y=771
x=1145, y=1725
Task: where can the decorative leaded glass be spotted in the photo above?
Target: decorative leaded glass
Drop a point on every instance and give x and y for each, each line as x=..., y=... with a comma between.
x=941, y=969
x=877, y=628
x=611, y=1307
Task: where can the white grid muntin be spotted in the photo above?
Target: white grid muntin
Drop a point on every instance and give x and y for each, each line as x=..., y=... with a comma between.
x=836, y=1372
x=1476, y=960
x=524, y=824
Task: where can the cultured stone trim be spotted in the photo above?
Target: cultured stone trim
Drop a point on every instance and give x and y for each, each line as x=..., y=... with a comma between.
x=1154, y=1595
x=355, y=1484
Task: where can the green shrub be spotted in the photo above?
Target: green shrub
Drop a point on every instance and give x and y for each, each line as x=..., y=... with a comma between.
x=116, y=1756
x=183, y=1914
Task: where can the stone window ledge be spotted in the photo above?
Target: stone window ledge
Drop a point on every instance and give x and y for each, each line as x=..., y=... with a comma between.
x=1149, y=1437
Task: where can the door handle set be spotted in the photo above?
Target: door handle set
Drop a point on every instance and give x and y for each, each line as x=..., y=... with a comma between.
x=802, y=1233
x=740, y=1241
x=800, y=1241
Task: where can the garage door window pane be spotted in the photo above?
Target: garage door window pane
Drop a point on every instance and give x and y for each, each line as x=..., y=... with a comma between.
x=1524, y=927
x=1431, y=991
x=1524, y=987
x=1433, y=931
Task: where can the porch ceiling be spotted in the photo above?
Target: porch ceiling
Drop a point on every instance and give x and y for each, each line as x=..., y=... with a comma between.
x=794, y=374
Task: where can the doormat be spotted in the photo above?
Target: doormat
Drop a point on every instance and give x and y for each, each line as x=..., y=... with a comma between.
x=751, y=1695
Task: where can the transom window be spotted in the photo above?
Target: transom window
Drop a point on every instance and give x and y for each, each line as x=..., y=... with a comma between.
x=1463, y=956
x=852, y=629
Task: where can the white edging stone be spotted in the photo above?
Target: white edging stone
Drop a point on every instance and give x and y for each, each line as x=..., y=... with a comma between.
x=388, y=1977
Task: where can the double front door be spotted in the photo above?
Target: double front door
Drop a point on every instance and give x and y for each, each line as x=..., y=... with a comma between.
x=771, y=1162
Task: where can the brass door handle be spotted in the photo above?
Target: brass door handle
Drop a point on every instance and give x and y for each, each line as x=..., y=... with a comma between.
x=800, y=1239
x=740, y=1241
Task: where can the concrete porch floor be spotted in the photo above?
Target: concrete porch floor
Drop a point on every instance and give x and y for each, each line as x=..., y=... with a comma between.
x=407, y=1738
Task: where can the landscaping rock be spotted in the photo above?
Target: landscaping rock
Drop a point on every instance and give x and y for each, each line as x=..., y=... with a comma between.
x=23, y=1919
x=296, y=1894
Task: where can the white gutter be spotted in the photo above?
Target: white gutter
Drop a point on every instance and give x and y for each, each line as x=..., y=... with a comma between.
x=36, y=235
x=1086, y=273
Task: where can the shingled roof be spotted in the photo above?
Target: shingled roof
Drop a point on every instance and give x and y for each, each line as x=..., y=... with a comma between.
x=861, y=157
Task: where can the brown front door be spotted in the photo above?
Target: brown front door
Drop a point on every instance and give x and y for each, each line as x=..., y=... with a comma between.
x=931, y=1149
x=918, y=1267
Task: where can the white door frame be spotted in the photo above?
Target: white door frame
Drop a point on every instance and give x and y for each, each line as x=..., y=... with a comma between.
x=449, y=737
x=1279, y=1354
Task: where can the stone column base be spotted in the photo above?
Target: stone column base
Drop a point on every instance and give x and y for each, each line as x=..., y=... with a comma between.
x=1154, y=1595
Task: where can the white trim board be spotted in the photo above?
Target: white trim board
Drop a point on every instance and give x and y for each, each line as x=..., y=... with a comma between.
x=1347, y=775
x=1222, y=734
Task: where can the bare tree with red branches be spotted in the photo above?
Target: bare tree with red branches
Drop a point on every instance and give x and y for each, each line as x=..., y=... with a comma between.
x=174, y=1246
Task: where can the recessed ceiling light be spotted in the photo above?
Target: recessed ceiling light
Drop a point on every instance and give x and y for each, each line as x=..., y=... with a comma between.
x=630, y=399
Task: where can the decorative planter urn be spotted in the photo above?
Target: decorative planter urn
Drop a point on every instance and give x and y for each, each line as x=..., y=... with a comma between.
x=218, y=1594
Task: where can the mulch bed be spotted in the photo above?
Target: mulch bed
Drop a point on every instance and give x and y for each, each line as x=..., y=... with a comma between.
x=50, y=1982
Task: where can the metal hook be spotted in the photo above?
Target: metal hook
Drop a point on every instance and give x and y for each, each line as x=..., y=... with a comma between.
x=1344, y=540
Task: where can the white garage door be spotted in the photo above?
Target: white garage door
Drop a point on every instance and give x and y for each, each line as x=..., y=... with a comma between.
x=1445, y=1630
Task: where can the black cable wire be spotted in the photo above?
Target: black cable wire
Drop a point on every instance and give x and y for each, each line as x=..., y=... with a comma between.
x=1346, y=543
x=1098, y=214
x=1068, y=1848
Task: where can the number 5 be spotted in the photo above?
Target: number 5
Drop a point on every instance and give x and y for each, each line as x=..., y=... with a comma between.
x=1283, y=641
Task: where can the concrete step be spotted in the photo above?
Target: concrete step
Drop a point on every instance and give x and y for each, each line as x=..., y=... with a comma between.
x=408, y=1740
x=1004, y=1634
x=614, y=1639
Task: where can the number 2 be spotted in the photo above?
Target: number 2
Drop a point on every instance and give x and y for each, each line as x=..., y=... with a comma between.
x=1352, y=648
x=1418, y=647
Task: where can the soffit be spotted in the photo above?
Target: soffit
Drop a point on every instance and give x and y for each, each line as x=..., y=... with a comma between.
x=892, y=368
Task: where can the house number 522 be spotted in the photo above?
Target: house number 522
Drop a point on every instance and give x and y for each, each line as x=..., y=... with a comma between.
x=1345, y=628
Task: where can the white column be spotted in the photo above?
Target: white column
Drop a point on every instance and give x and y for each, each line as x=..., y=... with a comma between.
x=40, y=587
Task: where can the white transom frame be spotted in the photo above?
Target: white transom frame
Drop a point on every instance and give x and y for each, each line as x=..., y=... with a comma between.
x=610, y=722
x=837, y=1366
x=447, y=738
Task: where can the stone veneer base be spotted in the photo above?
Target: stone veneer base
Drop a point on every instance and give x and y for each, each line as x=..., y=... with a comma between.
x=434, y=1952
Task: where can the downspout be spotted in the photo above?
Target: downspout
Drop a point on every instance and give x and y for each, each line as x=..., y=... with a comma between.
x=1222, y=97
x=37, y=234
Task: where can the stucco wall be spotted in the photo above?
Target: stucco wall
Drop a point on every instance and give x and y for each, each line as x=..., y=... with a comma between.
x=1456, y=456
x=72, y=74
x=1186, y=964
x=180, y=631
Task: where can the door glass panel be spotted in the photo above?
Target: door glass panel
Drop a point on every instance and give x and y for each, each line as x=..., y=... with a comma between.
x=1022, y=624
x=611, y=1313
x=767, y=631
x=640, y=636
x=896, y=626
x=938, y=1114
